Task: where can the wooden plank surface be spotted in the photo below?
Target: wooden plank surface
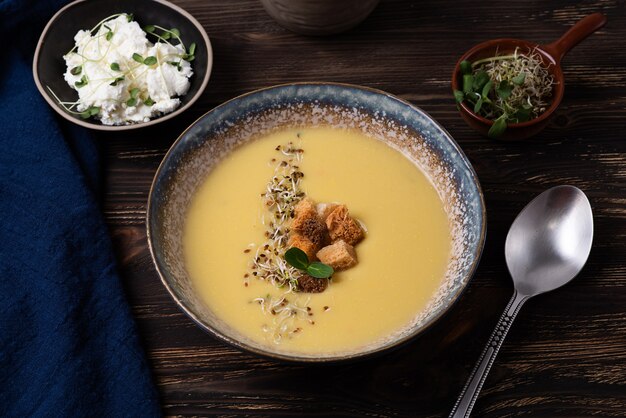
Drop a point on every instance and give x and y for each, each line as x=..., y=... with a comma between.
x=565, y=355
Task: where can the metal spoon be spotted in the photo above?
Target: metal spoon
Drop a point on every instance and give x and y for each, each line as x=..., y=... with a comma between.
x=547, y=246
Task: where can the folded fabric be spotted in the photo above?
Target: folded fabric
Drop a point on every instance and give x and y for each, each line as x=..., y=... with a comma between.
x=68, y=344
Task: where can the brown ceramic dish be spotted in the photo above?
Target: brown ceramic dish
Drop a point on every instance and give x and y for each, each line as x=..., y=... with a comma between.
x=57, y=39
x=551, y=54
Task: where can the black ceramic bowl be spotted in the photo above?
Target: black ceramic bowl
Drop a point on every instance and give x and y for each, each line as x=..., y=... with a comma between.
x=57, y=39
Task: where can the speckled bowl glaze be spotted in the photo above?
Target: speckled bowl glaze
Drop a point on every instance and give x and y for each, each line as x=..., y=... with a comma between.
x=377, y=114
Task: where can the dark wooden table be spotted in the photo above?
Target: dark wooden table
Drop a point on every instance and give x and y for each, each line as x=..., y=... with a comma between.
x=566, y=354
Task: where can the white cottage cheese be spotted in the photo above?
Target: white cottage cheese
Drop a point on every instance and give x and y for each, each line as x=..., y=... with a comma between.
x=155, y=87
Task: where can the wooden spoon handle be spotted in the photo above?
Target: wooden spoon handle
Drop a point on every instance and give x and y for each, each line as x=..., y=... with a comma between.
x=581, y=30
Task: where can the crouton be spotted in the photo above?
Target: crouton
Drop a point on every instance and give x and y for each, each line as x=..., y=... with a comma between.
x=311, y=228
x=305, y=244
x=342, y=227
x=340, y=255
x=307, y=224
x=324, y=209
x=310, y=284
x=305, y=209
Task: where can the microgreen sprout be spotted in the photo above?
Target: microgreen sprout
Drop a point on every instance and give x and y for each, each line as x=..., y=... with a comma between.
x=109, y=33
x=132, y=101
x=125, y=70
x=82, y=82
x=116, y=81
x=298, y=259
x=89, y=112
x=506, y=88
x=269, y=264
x=150, y=60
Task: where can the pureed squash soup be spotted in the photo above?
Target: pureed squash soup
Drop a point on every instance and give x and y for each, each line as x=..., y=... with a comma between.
x=243, y=218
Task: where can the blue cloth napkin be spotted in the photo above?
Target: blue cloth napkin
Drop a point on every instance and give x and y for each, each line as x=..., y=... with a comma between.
x=68, y=345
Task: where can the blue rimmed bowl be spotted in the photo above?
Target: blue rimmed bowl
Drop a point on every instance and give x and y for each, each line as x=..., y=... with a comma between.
x=377, y=114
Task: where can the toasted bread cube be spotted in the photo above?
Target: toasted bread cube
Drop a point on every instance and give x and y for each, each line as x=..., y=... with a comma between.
x=308, y=284
x=343, y=227
x=340, y=255
x=311, y=228
x=307, y=223
x=305, y=209
x=325, y=209
x=305, y=244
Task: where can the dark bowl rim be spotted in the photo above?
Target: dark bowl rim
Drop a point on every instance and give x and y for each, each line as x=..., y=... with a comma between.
x=99, y=126
x=544, y=116
x=335, y=359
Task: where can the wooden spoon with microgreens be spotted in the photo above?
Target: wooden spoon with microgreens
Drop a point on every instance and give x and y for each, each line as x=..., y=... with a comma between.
x=298, y=259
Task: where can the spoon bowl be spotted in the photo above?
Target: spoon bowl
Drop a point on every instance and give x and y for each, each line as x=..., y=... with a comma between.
x=551, y=56
x=546, y=247
x=550, y=240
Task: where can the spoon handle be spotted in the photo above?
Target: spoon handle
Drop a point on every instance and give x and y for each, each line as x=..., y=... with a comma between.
x=466, y=400
x=582, y=29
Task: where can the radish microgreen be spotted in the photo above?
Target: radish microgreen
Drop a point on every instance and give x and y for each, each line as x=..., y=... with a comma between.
x=506, y=89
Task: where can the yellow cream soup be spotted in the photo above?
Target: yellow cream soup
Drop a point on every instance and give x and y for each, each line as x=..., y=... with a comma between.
x=402, y=260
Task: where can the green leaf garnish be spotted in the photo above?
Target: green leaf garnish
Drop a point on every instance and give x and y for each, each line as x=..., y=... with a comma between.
x=134, y=93
x=458, y=96
x=149, y=28
x=486, y=89
x=478, y=105
x=298, y=259
x=130, y=17
x=115, y=66
x=131, y=102
x=175, y=32
x=166, y=35
x=498, y=127
x=76, y=70
x=138, y=58
x=83, y=82
x=518, y=80
x=150, y=60
x=480, y=79
x=522, y=115
x=90, y=111
x=109, y=34
x=148, y=102
x=504, y=90
x=192, y=49
x=468, y=83
x=466, y=67
x=116, y=81
x=175, y=64
x=319, y=270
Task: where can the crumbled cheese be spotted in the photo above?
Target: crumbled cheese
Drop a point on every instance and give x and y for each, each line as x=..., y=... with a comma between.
x=161, y=82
